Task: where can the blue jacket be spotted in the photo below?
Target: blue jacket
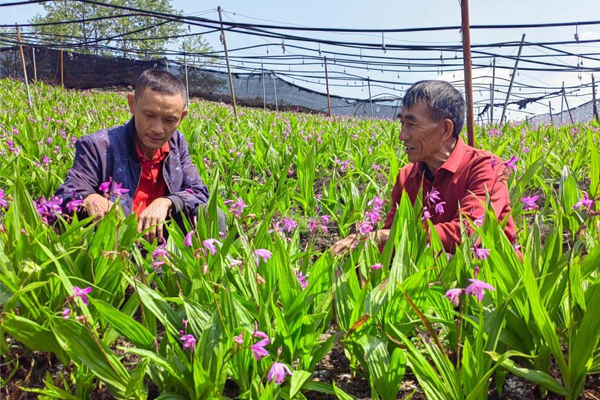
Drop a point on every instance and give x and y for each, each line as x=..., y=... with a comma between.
x=111, y=153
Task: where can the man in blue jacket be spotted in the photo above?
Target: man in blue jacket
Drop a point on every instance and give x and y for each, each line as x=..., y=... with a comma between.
x=144, y=162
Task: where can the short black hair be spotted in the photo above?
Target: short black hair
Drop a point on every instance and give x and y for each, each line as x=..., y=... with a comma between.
x=159, y=81
x=442, y=99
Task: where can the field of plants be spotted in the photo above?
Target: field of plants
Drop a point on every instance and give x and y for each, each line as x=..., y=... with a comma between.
x=265, y=311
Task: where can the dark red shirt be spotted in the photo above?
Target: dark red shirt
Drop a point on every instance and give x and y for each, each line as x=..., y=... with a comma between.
x=462, y=182
x=152, y=184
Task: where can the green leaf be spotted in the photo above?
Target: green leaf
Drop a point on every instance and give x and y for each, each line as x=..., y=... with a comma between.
x=124, y=324
x=299, y=377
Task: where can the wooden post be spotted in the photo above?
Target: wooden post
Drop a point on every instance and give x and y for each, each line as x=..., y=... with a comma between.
x=466, y=39
x=262, y=72
x=228, y=66
x=327, y=86
x=34, y=66
x=594, y=105
x=550, y=108
x=512, y=79
x=492, y=92
x=275, y=90
x=24, y=66
x=567, y=104
x=562, y=102
x=370, y=98
x=187, y=87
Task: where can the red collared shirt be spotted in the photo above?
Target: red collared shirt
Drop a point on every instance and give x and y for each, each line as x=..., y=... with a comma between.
x=152, y=184
x=462, y=182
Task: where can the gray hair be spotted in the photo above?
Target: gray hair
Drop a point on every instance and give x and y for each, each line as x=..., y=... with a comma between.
x=159, y=81
x=442, y=99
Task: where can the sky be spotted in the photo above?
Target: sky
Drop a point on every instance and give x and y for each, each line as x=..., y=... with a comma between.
x=404, y=14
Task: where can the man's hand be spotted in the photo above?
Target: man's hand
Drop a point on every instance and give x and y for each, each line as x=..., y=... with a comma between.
x=352, y=241
x=153, y=216
x=96, y=205
x=344, y=245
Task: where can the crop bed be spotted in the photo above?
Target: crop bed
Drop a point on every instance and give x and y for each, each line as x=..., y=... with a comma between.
x=265, y=310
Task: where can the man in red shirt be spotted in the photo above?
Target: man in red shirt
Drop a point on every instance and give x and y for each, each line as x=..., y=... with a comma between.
x=455, y=177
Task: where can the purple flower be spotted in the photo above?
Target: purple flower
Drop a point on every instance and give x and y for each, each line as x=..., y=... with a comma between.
x=585, y=202
x=325, y=219
x=376, y=266
x=105, y=186
x=262, y=253
x=302, y=279
x=433, y=196
x=259, y=334
x=117, y=191
x=74, y=205
x=480, y=254
x=82, y=293
x=530, y=202
x=48, y=209
x=377, y=203
x=278, y=372
x=289, y=224
x=160, y=252
x=66, y=313
x=453, y=295
x=188, y=239
x=439, y=208
x=479, y=221
x=239, y=339
x=477, y=287
x=189, y=342
x=258, y=349
x=512, y=163
x=365, y=227
x=426, y=215
x=3, y=203
x=312, y=225
x=209, y=244
x=45, y=160
x=236, y=207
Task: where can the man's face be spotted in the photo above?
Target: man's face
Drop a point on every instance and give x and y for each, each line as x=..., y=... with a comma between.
x=157, y=116
x=423, y=137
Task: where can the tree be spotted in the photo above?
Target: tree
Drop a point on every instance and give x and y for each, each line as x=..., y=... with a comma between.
x=110, y=31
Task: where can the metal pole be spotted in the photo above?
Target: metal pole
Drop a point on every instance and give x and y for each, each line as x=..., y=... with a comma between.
x=187, y=87
x=550, y=108
x=275, y=90
x=466, y=36
x=227, y=60
x=567, y=104
x=594, y=105
x=492, y=92
x=562, y=102
x=512, y=79
x=327, y=86
x=23, y=62
x=34, y=66
x=262, y=71
x=370, y=98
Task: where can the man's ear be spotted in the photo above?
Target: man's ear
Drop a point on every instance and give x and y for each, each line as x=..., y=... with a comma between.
x=131, y=102
x=183, y=115
x=448, y=128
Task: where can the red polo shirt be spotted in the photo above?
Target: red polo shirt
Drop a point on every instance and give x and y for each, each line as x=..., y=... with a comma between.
x=152, y=184
x=462, y=182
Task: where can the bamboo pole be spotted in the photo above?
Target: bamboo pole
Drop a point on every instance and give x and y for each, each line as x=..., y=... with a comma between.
x=370, y=98
x=327, y=86
x=594, y=106
x=512, y=79
x=228, y=66
x=493, y=92
x=262, y=72
x=34, y=66
x=562, y=103
x=567, y=104
x=550, y=108
x=24, y=66
x=273, y=77
x=466, y=39
x=187, y=87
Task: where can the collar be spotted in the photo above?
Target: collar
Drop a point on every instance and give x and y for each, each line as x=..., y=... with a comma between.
x=134, y=151
x=456, y=157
